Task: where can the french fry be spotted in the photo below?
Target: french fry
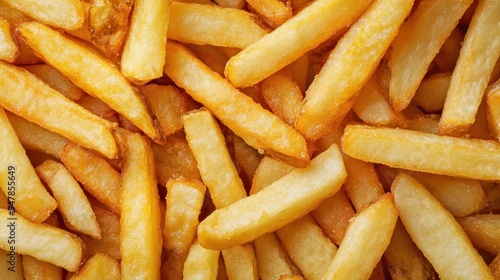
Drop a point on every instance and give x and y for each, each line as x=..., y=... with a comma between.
x=184, y=201
x=88, y=75
x=140, y=211
x=423, y=152
x=99, y=266
x=31, y=200
x=8, y=47
x=35, y=269
x=307, y=246
x=263, y=130
x=95, y=174
x=11, y=266
x=436, y=232
x=240, y=262
x=483, y=231
x=39, y=103
x=366, y=42
x=49, y=12
x=283, y=201
x=478, y=55
x=203, y=24
x=44, y=242
x=431, y=93
x=274, y=11
x=147, y=35
x=416, y=45
x=306, y=30
x=56, y=80
x=198, y=255
x=72, y=202
x=272, y=260
x=368, y=235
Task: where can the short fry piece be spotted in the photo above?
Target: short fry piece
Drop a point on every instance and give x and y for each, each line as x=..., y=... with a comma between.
x=368, y=235
x=424, y=152
x=436, y=232
x=483, y=231
x=100, y=266
x=198, y=255
x=8, y=47
x=276, y=205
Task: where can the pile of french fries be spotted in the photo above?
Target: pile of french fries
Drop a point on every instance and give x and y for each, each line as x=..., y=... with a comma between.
x=267, y=139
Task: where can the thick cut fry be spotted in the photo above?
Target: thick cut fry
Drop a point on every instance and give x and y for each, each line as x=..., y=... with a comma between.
x=283, y=201
x=67, y=14
x=303, y=32
x=72, y=202
x=20, y=184
x=44, y=242
x=140, y=215
x=240, y=262
x=97, y=175
x=184, y=201
x=56, y=80
x=417, y=43
x=431, y=93
x=307, y=246
x=436, y=232
x=274, y=11
x=8, y=48
x=419, y=151
x=403, y=258
x=478, y=55
x=333, y=91
x=35, y=269
x=88, y=71
x=199, y=255
x=213, y=25
x=36, y=138
x=37, y=102
x=272, y=260
x=258, y=127
x=483, y=231
x=368, y=235
x=100, y=266
x=147, y=36
x=11, y=266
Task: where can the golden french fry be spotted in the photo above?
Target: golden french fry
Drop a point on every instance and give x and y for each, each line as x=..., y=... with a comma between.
x=258, y=127
x=198, y=255
x=313, y=25
x=423, y=152
x=417, y=43
x=89, y=73
x=39, y=103
x=100, y=266
x=67, y=14
x=240, y=262
x=140, y=210
x=436, y=232
x=12, y=266
x=260, y=213
x=72, y=202
x=184, y=201
x=275, y=12
x=268, y=171
x=147, y=35
x=8, y=47
x=478, y=55
x=483, y=231
x=213, y=25
x=25, y=193
x=272, y=260
x=368, y=235
x=84, y=31
x=56, y=80
x=333, y=91
x=35, y=269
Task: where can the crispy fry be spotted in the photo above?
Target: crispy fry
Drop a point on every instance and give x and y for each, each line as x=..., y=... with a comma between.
x=100, y=266
x=8, y=47
x=56, y=80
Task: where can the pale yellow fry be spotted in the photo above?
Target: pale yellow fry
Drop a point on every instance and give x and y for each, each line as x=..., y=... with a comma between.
x=147, y=36
x=368, y=235
x=100, y=266
x=303, y=32
x=67, y=14
x=307, y=246
x=44, y=242
x=8, y=47
x=493, y=108
x=417, y=43
x=37, y=102
x=278, y=204
x=419, y=151
x=140, y=211
x=241, y=262
x=35, y=269
x=12, y=266
x=36, y=138
x=20, y=184
x=274, y=11
x=184, y=202
x=201, y=263
x=72, y=202
x=56, y=80
x=483, y=231
x=333, y=91
x=258, y=127
x=272, y=260
x=91, y=72
x=213, y=25
x=436, y=232
x=478, y=55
